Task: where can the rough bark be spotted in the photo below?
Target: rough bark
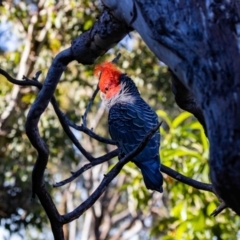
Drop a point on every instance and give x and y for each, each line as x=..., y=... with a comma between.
x=186, y=100
x=199, y=41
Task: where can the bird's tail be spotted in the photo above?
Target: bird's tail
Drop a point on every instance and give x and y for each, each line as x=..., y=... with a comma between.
x=151, y=174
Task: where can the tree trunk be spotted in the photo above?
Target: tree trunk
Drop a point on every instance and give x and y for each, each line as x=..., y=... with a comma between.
x=200, y=42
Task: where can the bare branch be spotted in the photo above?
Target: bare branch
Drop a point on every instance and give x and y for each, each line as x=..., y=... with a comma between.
x=23, y=83
x=84, y=118
x=115, y=60
x=219, y=209
x=86, y=167
x=64, y=120
x=89, y=132
x=196, y=184
x=62, y=117
x=72, y=137
x=107, y=179
x=170, y=172
x=189, y=181
x=85, y=49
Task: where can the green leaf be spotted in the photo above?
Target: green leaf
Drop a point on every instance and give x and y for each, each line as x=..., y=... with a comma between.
x=180, y=118
x=165, y=117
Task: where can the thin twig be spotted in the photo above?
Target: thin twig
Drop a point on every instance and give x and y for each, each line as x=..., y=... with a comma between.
x=90, y=133
x=107, y=179
x=116, y=58
x=74, y=140
x=196, y=184
x=189, y=181
x=95, y=161
x=86, y=167
x=62, y=117
x=23, y=83
x=84, y=117
x=219, y=209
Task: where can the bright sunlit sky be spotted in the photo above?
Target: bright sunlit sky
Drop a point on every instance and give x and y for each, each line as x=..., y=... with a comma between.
x=4, y=235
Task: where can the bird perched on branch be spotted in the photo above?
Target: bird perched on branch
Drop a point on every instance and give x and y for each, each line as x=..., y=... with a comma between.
x=130, y=119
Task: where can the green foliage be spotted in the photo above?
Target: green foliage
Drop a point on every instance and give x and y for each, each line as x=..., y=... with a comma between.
x=181, y=213
x=185, y=149
x=184, y=212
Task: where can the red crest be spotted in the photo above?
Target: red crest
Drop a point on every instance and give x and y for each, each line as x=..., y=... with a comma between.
x=109, y=75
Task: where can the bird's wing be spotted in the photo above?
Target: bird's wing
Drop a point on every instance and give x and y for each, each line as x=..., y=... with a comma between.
x=129, y=124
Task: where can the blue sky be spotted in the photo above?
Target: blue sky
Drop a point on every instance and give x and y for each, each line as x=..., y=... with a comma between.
x=8, y=40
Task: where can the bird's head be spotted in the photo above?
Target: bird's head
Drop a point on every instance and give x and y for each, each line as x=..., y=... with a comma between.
x=109, y=79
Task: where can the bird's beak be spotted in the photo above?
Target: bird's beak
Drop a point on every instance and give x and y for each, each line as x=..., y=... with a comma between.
x=102, y=96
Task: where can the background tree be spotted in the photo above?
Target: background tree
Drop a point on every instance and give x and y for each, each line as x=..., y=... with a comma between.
x=126, y=208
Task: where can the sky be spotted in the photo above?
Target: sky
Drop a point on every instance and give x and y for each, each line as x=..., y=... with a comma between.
x=4, y=235
x=8, y=40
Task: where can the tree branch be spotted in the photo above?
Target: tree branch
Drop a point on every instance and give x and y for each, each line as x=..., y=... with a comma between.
x=65, y=122
x=86, y=167
x=85, y=49
x=219, y=209
x=95, y=42
x=89, y=132
x=84, y=117
x=107, y=179
x=95, y=161
x=189, y=181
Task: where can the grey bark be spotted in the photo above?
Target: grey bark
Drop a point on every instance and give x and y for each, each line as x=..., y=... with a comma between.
x=200, y=42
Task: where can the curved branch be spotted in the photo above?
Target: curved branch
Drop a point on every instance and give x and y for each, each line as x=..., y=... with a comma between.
x=23, y=83
x=196, y=184
x=107, y=179
x=95, y=161
x=85, y=49
x=86, y=167
x=84, y=117
x=189, y=181
x=28, y=82
x=38, y=107
x=219, y=209
x=90, y=133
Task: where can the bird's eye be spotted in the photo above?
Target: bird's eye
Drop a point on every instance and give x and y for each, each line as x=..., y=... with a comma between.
x=106, y=89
